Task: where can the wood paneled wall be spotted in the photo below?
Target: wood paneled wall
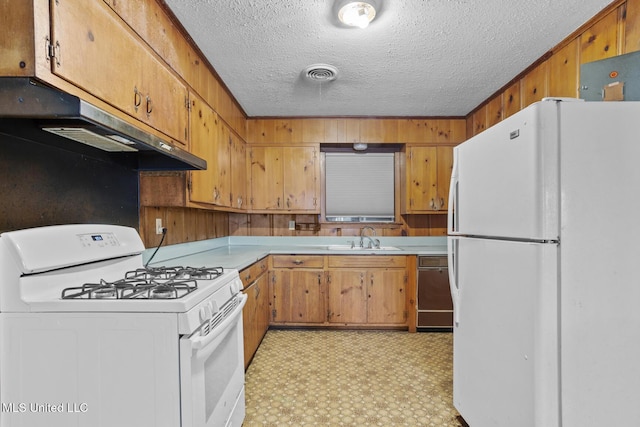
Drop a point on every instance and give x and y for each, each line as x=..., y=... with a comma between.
x=614, y=31
x=440, y=130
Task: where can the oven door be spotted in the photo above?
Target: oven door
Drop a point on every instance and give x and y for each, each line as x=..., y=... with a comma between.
x=212, y=371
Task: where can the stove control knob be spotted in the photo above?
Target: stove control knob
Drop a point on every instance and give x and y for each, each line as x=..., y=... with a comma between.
x=205, y=313
x=235, y=287
x=213, y=307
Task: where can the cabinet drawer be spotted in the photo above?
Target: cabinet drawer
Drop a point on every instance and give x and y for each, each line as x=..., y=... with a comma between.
x=251, y=273
x=357, y=261
x=297, y=261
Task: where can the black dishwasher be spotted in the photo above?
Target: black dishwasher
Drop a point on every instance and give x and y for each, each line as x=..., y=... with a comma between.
x=435, y=308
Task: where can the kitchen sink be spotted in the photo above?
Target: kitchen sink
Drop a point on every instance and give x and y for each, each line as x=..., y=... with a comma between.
x=361, y=249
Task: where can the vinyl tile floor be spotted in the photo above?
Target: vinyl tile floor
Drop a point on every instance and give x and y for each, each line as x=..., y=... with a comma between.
x=352, y=379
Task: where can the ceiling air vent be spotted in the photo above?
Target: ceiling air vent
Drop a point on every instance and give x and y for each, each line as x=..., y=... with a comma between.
x=321, y=72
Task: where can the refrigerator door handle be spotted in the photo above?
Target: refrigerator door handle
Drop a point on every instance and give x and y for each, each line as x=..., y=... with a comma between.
x=452, y=262
x=452, y=217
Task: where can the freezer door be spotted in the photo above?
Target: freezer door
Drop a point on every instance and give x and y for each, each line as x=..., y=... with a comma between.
x=505, y=346
x=505, y=180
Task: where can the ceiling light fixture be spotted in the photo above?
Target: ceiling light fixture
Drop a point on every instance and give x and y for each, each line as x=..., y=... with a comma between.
x=357, y=14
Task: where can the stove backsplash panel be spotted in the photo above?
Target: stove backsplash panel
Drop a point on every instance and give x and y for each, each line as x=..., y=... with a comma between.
x=43, y=185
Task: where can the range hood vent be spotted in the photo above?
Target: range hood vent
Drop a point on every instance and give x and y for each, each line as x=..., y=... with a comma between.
x=30, y=110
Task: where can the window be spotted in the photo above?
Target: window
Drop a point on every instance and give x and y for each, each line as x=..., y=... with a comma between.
x=359, y=187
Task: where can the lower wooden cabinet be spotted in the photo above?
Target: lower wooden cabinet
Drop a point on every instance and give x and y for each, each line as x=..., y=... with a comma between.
x=338, y=291
x=255, y=315
x=297, y=289
x=367, y=290
x=297, y=296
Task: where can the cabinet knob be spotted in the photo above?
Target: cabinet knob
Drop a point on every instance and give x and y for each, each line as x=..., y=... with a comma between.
x=298, y=262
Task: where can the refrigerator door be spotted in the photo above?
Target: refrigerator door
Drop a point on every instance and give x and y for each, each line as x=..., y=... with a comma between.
x=505, y=180
x=600, y=253
x=505, y=347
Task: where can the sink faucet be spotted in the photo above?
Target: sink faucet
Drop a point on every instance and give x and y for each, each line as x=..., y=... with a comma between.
x=373, y=243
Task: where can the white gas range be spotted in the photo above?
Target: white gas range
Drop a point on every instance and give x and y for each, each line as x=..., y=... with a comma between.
x=89, y=336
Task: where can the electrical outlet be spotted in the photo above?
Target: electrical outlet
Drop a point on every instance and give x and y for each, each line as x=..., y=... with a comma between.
x=158, y=225
x=292, y=225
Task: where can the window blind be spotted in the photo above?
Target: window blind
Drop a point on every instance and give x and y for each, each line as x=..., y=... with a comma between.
x=359, y=187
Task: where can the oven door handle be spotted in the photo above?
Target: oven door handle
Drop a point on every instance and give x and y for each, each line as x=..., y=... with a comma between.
x=205, y=344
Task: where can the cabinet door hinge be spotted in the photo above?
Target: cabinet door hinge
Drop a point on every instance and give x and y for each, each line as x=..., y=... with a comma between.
x=52, y=51
x=328, y=315
x=273, y=314
x=315, y=201
x=189, y=184
x=187, y=103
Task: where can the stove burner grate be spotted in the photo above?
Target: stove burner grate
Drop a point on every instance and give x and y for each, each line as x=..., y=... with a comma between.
x=146, y=283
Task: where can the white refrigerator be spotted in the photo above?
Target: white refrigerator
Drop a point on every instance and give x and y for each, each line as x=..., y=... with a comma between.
x=544, y=248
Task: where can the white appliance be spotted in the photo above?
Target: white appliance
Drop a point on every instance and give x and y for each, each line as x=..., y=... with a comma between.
x=91, y=337
x=544, y=244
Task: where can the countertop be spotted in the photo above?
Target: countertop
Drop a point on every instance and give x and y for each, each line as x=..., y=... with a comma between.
x=240, y=252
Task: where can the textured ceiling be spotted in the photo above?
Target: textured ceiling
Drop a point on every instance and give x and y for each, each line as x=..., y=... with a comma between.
x=417, y=58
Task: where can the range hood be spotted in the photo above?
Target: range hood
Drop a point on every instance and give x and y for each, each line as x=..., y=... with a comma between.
x=33, y=111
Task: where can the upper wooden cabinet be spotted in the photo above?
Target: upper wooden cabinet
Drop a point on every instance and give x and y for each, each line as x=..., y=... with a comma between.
x=427, y=173
x=205, y=135
x=84, y=48
x=284, y=178
x=96, y=51
x=238, y=171
x=224, y=182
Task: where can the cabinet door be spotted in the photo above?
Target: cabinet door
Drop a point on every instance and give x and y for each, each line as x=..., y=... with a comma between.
x=347, y=296
x=386, y=296
x=444, y=157
x=100, y=54
x=297, y=296
x=428, y=177
x=238, y=172
x=266, y=178
x=262, y=309
x=249, y=317
x=222, y=164
x=255, y=316
x=299, y=178
x=422, y=179
x=203, y=123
